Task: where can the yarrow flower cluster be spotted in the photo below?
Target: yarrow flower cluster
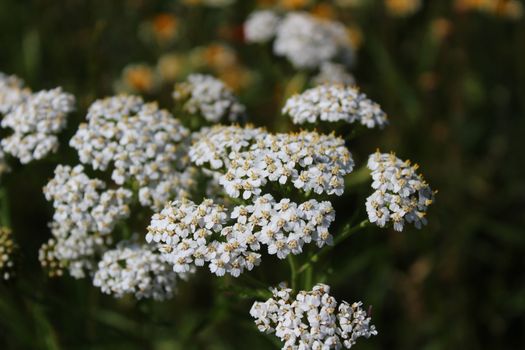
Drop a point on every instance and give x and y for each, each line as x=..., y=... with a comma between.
x=401, y=195
x=191, y=235
x=333, y=103
x=137, y=270
x=312, y=320
x=333, y=73
x=7, y=247
x=143, y=144
x=205, y=95
x=35, y=118
x=12, y=92
x=85, y=214
x=261, y=26
x=251, y=157
x=307, y=41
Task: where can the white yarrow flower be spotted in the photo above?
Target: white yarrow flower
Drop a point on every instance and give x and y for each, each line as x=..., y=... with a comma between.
x=312, y=320
x=307, y=41
x=205, y=95
x=229, y=241
x=261, y=26
x=334, y=103
x=135, y=269
x=35, y=119
x=140, y=142
x=401, y=195
x=249, y=158
x=85, y=215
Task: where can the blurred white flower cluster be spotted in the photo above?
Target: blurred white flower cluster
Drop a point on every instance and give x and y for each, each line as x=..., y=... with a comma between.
x=333, y=73
x=312, y=320
x=12, y=92
x=333, y=103
x=144, y=144
x=191, y=235
x=137, y=270
x=205, y=95
x=261, y=26
x=85, y=214
x=401, y=195
x=7, y=247
x=305, y=40
x=251, y=157
x=35, y=118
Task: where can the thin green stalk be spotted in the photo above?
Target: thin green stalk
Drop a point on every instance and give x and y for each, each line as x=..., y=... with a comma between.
x=308, y=276
x=293, y=271
x=5, y=217
x=347, y=232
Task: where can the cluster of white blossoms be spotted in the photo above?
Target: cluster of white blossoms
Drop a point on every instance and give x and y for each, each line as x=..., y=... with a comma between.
x=307, y=41
x=401, y=195
x=205, y=95
x=7, y=247
x=261, y=26
x=190, y=235
x=312, y=320
x=85, y=214
x=35, y=118
x=333, y=73
x=143, y=143
x=252, y=157
x=135, y=269
x=12, y=92
x=333, y=103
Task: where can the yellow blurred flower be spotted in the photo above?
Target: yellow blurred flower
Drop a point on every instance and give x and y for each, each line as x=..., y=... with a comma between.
x=236, y=77
x=219, y=56
x=402, y=8
x=511, y=9
x=440, y=28
x=170, y=66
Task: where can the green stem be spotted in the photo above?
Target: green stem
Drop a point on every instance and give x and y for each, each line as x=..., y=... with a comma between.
x=5, y=217
x=347, y=232
x=293, y=271
x=308, y=276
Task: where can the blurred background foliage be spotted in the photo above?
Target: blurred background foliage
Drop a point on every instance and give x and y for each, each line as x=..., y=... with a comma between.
x=451, y=76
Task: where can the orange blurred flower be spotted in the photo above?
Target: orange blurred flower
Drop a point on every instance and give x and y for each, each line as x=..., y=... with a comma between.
x=293, y=4
x=138, y=78
x=164, y=26
x=323, y=11
x=440, y=28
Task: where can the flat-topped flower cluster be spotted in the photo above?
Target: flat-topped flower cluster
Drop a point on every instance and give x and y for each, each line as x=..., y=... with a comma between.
x=401, y=194
x=191, y=235
x=142, y=143
x=135, y=269
x=333, y=103
x=312, y=320
x=35, y=118
x=85, y=215
x=251, y=157
x=305, y=40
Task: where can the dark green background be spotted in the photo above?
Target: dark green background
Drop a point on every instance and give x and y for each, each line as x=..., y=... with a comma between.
x=458, y=283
